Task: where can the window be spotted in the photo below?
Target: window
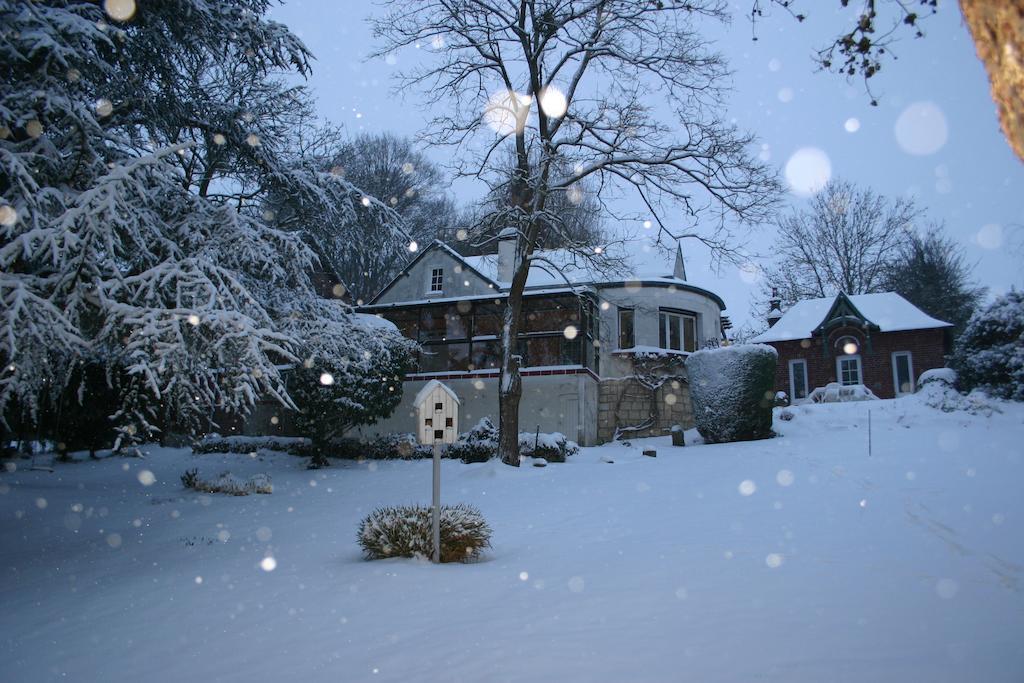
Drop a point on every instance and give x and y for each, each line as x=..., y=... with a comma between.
x=848, y=370
x=903, y=373
x=626, y=337
x=677, y=331
x=797, y=379
x=437, y=280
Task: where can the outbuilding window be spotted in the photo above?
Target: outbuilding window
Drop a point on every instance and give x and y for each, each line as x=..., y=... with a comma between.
x=903, y=373
x=627, y=338
x=848, y=370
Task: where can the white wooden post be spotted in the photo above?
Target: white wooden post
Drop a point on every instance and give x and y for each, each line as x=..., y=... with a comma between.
x=437, y=409
x=436, y=520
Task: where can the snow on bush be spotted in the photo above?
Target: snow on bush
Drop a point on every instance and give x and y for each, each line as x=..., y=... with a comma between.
x=944, y=375
x=732, y=391
x=405, y=531
x=479, y=444
x=834, y=392
x=989, y=355
x=553, y=447
x=225, y=482
x=294, y=445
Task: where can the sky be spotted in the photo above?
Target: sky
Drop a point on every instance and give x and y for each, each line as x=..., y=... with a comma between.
x=934, y=136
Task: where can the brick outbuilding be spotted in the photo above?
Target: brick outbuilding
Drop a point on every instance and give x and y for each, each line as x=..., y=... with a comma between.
x=881, y=341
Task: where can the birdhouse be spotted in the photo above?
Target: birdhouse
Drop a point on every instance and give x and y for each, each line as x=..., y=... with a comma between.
x=437, y=409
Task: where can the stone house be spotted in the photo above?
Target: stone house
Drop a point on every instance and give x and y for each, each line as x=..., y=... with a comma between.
x=601, y=354
x=881, y=341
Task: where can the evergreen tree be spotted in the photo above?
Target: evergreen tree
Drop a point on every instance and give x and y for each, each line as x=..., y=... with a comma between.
x=931, y=272
x=990, y=353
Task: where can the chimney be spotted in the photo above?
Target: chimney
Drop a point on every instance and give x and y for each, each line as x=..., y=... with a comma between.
x=507, y=240
x=774, y=308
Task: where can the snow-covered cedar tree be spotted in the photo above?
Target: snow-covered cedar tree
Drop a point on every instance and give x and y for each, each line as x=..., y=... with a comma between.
x=989, y=354
x=406, y=532
x=732, y=391
x=133, y=234
x=351, y=374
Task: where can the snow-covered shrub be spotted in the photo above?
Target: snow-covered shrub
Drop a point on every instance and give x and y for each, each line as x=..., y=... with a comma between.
x=732, y=391
x=937, y=389
x=786, y=414
x=405, y=531
x=252, y=444
x=834, y=392
x=553, y=447
x=225, y=482
x=943, y=375
x=354, y=385
x=479, y=444
x=989, y=355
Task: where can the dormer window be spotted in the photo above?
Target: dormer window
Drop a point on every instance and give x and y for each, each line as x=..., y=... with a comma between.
x=436, y=280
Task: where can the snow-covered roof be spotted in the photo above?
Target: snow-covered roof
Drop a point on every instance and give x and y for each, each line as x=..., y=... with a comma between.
x=429, y=387
x=888, y=310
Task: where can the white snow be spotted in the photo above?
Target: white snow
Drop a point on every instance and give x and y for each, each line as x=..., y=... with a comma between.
x=890, y=311
x=794, y=559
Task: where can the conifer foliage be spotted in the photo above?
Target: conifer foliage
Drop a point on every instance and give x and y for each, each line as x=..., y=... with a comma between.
x=136, y=154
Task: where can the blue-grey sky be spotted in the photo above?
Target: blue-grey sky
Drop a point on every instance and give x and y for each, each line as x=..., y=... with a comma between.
x=935, y=134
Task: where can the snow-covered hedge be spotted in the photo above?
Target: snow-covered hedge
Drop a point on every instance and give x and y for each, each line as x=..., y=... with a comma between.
x=989, y=355
x=943, y=375
x=732, y=391
x=252, y=444
x=225, y=482
x=405, y=531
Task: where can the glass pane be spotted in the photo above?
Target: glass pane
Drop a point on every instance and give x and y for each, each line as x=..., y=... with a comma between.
x=543, y=351
x=903, y=382
x=662, y=325
x=458, y=357
x=433, y=325
x=674, y=333
x=626, y=329
x=486, y=354
x=456, y=325
x=689, y=334
x=486, y=320
x=799, y=380
x=433, y=358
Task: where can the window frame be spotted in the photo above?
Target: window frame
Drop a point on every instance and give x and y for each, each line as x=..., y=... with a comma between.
x=792, y=377
x=632, y=327
x=664, y=336
x=910, y=373
x=860, y=369
x=435, y=284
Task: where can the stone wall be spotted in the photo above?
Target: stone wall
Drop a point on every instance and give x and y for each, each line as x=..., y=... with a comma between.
x=624, y=403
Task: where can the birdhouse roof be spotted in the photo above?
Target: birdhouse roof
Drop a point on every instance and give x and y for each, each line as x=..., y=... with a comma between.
x=429, y=387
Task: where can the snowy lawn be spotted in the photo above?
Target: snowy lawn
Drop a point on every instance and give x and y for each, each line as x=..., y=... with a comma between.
x=797, y=558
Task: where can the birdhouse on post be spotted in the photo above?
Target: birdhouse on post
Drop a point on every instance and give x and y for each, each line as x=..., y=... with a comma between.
x=437, y=409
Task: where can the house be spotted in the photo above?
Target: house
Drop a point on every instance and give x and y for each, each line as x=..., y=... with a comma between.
x=601, y=355
x=881, y=341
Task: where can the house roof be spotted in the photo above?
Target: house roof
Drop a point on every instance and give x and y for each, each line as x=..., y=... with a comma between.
x=559, y=268
x=889, y=311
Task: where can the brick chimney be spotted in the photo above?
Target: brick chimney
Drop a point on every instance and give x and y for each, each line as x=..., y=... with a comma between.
x=774, y=308
x=507, y=239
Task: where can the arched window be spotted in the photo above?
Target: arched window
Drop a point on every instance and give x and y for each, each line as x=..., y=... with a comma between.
x=848, y=346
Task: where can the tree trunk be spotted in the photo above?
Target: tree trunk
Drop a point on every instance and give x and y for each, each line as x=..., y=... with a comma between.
x=510, y=387
x=997, y=27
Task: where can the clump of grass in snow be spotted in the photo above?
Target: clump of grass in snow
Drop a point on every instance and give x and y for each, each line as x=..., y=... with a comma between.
x=225, y=482
x=405, y=531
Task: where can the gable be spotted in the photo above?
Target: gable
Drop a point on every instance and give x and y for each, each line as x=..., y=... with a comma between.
x=458, y=279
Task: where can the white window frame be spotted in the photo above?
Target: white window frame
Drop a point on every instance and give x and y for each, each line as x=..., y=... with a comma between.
x=910, y=370
x=663, y=326
x=792, y=380
x=839, y=369
x=618, y=323
x=435, y=283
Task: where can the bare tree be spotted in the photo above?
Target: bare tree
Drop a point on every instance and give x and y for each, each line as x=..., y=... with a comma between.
x=402, y=177
x=845, y=241
x=571, y=85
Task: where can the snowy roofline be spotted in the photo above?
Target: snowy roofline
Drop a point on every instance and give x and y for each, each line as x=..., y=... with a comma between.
x=888, y=311
x=429, y=387
x=501, y=287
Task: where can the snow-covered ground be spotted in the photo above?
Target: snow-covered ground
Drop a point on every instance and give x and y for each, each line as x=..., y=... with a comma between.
x=798, y=558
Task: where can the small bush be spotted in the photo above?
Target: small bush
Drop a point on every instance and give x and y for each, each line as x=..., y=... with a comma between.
x=251, y=444
x=405, y=531
x=225, y=482
x=479, y=444
x=553, y=447
x=989, y=355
